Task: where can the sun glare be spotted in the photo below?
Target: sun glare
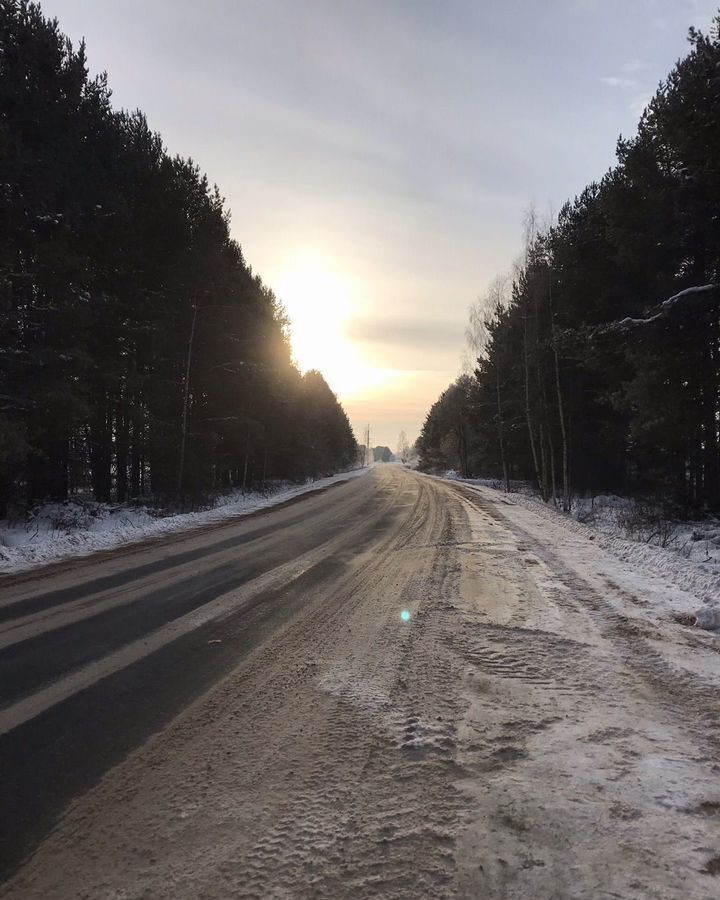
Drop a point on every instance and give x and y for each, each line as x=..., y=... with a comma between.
x=319, y=303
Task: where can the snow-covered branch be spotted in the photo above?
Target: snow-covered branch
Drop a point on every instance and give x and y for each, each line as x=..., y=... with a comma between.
x=660, y=311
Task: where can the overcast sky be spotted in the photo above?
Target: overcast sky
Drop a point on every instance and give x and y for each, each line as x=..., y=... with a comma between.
x=397, y=144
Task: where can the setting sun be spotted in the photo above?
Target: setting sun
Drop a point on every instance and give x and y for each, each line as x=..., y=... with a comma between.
x=319, y=303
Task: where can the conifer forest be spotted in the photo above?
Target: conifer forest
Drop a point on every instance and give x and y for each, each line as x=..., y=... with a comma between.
x=598, y=356
x=140, y=355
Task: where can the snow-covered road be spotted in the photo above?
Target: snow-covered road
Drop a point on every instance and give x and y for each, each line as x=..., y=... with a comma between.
x=533, y=730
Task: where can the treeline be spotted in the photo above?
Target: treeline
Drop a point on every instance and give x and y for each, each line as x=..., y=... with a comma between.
x=139, y=354
x=599, y=363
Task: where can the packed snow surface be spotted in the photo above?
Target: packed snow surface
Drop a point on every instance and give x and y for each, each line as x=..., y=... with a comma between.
x=685, y=555
x=55, y=531
x=534, y=730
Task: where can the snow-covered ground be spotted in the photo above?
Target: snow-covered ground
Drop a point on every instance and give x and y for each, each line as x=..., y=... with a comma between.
x=55, y=531
x=685, y=555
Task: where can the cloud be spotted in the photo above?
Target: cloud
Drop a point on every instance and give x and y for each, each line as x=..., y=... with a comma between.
x=616, y=81
x=408, y=345
x=584, y=5
x=641, y=92
x=403, y=332
x=634, y=65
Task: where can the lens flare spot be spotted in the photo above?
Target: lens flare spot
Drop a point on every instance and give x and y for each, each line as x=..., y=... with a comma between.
x=405, y=615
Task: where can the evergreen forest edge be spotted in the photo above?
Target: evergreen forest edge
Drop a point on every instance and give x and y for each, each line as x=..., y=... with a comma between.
x=598, y=357
x=141, y=356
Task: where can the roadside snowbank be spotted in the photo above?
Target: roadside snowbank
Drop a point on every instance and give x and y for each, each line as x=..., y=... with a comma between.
x=688, y=563
x=60, y=530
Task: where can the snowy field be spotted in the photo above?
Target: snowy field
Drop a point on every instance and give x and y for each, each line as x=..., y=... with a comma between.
x=685, y=555
x=55, y=531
